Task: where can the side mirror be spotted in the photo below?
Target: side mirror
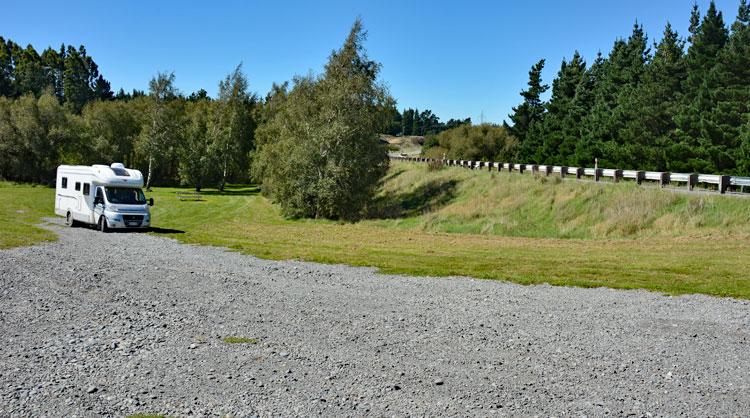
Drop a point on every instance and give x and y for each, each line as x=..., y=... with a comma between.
x=151, y=201
x=98, y=201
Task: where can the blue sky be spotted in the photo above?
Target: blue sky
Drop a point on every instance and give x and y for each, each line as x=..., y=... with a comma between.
x=460, y=59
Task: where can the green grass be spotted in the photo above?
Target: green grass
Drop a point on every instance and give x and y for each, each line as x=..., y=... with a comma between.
x=21, y=211
x=494, y=226
x=479, y=202
x=239, y=340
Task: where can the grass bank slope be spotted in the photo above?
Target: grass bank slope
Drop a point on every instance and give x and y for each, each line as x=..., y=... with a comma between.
x=457, y=200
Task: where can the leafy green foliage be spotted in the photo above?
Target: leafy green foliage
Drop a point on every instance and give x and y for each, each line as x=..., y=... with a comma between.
x=198, y=162
x=158, y=136
x=478, y=142
x=233, y=128
x=318, y=150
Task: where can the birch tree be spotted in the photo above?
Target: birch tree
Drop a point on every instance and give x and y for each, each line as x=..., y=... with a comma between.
x=158, y=136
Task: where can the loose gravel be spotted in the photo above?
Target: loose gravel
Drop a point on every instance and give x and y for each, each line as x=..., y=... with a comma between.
x=124, y=323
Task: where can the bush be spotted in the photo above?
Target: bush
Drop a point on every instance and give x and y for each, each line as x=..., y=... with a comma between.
x=478, y=142
x=319, y=154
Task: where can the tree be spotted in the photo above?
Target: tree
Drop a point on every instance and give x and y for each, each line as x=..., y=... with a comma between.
x=698, y=148
x=232, y=130
x=198, y=162
x=743, y=153
x=544, y=140
x=416, y=123
x=407, y=122
x=7, y=72
x=111, y=129
x=619, y=82
x=158, y=136
x=76, y=79
x=455, y=123
x=34, y=132
x=197, y=95
x=531, y=110
x=54, y=68
x=729, y=87
x=648, y=130
x=321, y=153
x=30, y=76
x=394, y=125
x=479, y=142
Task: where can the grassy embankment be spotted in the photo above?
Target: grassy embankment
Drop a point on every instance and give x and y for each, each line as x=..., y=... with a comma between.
x=497, y=226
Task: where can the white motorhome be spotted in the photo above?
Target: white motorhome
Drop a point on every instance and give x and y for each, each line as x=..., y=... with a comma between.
x=105, y=196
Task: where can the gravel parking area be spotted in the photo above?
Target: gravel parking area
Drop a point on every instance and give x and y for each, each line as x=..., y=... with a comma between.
x=117, y=324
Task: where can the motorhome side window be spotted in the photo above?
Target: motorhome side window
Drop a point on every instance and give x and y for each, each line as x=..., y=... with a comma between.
x=78, y=186
x=64, y=182
x=86, y=189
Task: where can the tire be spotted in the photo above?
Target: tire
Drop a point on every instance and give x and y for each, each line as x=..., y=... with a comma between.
x=103, y=224
x=69, y=221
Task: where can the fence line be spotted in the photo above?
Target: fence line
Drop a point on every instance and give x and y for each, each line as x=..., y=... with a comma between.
x=724, y=184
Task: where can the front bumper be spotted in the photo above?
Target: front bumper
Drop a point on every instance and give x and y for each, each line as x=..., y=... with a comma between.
x=128, y=220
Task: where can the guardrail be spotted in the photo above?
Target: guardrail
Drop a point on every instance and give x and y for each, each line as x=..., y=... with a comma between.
x=723, y=184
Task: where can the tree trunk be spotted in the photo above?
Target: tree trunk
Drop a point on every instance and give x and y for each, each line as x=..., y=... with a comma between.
x=150, y=170
x=223, y=175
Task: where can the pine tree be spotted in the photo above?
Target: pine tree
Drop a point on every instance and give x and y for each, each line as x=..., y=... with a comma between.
x=730, y=95
x=416, y=124
x=407, y=122
x=698, y=147
x=743, y=152
x=649, y=127
x=75, y=79
x=7, y=88
x=53, y=63
x=545, y=139
x=620, y=81
x=530, y=111
x=585, y=149
x=30, y=76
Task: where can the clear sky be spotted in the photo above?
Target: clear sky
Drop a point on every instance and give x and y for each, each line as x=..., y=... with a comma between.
x=460, y=58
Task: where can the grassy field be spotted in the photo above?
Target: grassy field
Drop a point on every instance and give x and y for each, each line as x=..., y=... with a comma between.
x=494, y=226
x=20, y=213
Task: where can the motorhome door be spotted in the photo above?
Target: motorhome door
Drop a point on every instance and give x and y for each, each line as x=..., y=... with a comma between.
x=98, y=203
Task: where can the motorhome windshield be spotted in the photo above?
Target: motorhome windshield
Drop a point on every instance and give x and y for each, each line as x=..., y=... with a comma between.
x=125, y=196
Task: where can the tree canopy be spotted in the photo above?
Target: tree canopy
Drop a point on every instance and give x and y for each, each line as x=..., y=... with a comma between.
x=677, y=105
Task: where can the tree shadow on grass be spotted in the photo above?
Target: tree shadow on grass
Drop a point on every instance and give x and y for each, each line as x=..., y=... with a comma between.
x=395, y=173
x=425, y=198
x=158, y=230
x=245, y=191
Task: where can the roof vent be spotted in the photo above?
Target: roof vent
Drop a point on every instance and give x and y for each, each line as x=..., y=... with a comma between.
x=119, y=170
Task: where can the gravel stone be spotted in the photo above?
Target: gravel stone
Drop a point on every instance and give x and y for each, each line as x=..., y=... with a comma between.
x=123, y=314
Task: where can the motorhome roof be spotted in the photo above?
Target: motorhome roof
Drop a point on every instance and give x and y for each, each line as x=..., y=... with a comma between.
x=114, y=175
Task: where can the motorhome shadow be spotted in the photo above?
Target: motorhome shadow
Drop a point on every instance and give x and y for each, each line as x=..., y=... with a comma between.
x=109, y=197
